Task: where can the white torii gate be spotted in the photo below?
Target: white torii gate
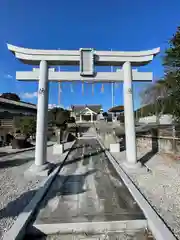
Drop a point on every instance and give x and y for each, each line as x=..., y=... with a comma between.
x=86, y=59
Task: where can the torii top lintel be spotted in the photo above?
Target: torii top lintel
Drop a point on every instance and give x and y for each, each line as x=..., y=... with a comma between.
x=72, y=57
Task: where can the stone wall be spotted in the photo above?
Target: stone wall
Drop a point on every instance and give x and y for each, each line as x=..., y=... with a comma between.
x=163, y=144
x=164, y=119
x=157, y=144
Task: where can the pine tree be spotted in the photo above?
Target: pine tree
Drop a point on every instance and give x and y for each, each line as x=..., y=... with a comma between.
x=167, y=90
x=172, y=73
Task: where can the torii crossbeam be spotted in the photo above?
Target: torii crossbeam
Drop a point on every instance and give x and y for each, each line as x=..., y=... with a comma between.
x=104, y=77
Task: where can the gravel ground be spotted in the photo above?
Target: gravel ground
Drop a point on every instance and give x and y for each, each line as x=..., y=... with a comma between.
x=160, y=185
x=15, y=190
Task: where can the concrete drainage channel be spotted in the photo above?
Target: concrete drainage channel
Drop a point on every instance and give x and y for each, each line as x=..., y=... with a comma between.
x=88, y=197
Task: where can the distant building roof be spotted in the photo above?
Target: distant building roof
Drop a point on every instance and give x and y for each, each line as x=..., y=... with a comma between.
x=78, y=108
x=16, y=107
x=18, y=103
x=116, y=109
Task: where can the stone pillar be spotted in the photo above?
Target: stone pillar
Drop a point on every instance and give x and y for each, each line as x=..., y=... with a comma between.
x=131, y=153
x=112, y=116
x=91, y=117
x=115, y=117
x=42, y=116
x=80, y=118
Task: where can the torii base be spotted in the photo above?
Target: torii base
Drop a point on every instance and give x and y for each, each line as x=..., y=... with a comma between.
x=132, y=166
x=42, y=170
x=58, y=149
x=115, y=147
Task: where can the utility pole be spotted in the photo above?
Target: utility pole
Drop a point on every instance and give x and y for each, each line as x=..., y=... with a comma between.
x=112, y=93
x=112, y=89
x=59, y=88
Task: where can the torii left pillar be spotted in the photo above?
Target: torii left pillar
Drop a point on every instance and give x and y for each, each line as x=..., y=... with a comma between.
x=42, y=117
x=41, y=166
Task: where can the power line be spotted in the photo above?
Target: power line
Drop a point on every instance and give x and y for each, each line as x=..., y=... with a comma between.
x=112, y=89
x=59, y=90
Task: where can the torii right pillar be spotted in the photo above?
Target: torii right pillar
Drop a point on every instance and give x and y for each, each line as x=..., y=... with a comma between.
x=130, y=134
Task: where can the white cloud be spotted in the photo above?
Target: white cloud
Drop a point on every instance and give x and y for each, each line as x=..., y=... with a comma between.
x=68, y=107
x=52, y=105
x=28, y=95
x=8, y=76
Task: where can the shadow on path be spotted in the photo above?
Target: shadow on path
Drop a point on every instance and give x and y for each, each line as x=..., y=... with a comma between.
x=15, y=162
x=77, y=147
x=68, y=185
x=74, y=160
x=154, y=149
x=61, y=186
x=144, y=159
x=2, y=154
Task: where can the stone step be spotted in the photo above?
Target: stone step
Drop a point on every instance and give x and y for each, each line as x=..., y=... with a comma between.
x=140, y=235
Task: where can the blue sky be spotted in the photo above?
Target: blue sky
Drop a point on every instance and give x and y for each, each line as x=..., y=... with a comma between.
x=117, y=24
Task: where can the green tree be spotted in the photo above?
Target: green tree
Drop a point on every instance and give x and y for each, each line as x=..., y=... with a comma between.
x=172, y=54
x=11, y=96
x=156, y=90
x=58, y=116
x=26, y=125
x=153, y=99
x=164, y=95
x=172, y=73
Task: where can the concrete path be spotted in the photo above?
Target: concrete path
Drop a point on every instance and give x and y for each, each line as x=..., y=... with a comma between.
x=87, y=189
